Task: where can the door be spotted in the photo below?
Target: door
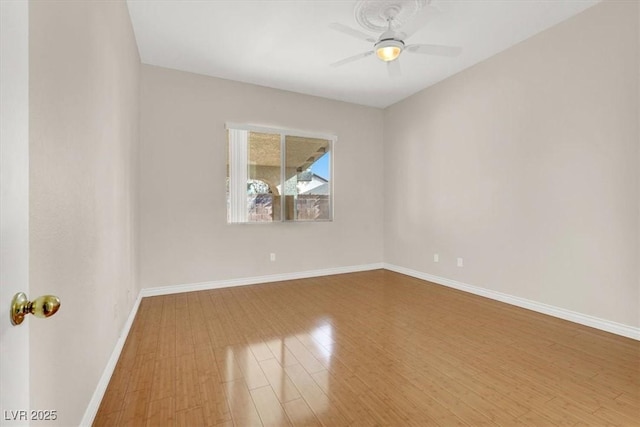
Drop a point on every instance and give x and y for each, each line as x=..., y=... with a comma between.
x=14, y=208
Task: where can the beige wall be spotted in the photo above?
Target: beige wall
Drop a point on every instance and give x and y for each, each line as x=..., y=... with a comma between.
x=84, y=84
x=526, y=166
x=184, y=236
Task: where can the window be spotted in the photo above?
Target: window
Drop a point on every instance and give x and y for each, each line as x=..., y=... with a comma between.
x=278, y=175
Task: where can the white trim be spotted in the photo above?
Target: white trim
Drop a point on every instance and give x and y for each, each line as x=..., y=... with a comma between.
x=203, y=286
x=572, y=316
x=281, y=131
x=101, y=388
x=283, y=178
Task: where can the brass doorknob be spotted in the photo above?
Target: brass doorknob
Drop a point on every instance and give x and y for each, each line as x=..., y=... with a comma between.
x=44, y=306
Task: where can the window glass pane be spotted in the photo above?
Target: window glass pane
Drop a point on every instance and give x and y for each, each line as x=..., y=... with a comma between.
x=307, y=186
x=253, y=176
x=264, y=177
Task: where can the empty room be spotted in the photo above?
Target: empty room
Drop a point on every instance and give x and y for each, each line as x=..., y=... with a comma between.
x=318, y=212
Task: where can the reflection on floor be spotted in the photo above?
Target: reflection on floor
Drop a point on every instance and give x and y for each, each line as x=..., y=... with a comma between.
x=370, y=348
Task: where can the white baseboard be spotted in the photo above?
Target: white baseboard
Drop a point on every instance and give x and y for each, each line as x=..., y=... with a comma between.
x=572, y=316
x=94, y=404
x=217, y=284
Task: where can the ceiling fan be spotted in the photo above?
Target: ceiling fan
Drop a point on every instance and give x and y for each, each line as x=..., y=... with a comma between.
x=391, y=43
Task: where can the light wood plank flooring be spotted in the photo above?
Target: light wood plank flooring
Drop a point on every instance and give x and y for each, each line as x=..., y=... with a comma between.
x=370, y=348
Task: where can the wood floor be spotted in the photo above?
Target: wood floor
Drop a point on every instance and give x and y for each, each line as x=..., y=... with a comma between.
x=370, y=348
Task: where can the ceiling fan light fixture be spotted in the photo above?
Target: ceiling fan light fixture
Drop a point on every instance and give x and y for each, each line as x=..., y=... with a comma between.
x=388, y=50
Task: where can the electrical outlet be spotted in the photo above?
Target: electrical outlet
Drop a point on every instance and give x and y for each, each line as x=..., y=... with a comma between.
x=436, y=258
x=460, y=263
x=272, y=257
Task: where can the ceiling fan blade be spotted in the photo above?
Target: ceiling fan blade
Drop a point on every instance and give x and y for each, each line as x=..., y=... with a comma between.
x=393, y=68
x=352, y=58
x=420, y=20
x=434, y=49
x=352, y=32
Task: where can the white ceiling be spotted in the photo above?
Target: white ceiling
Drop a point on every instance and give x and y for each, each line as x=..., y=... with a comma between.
x=289, y=45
